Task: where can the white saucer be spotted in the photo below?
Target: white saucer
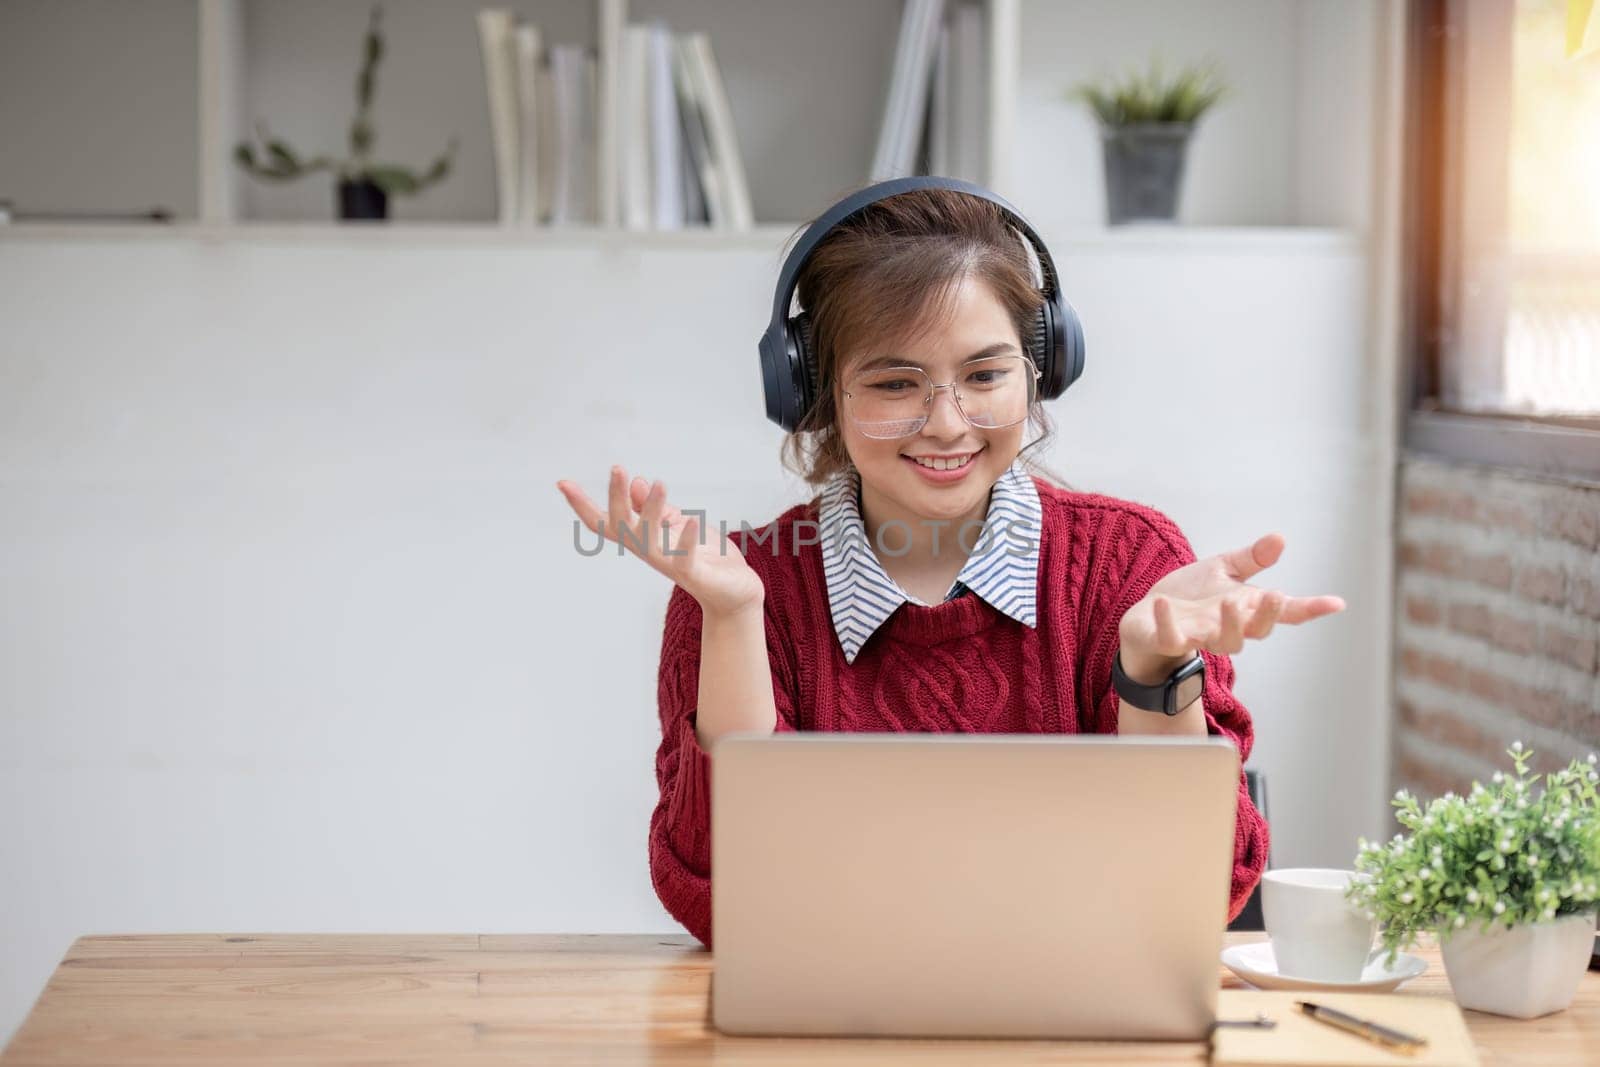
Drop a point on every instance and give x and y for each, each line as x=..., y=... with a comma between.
x=1254, y=963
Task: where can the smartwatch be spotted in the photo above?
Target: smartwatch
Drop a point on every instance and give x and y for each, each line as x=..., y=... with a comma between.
x=1181, y=688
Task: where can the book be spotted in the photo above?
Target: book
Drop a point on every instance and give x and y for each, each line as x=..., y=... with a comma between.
x=612, y=15
x=1299, y=1039
x=905, y=109
x=895, y=89
x=549, y=156
x=733, y=189
x=561, y=139
x=633, y=120
x=666, y=132
x=690, y=139
x=969, y=89
x=588, y=205
x=913, y=130
x=696, y=141
x=572, y=86
x=941, y=122
x=529, y=57
x=694, y=200
x=499, y=70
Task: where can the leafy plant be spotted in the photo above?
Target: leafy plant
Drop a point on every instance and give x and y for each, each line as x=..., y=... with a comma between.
x=1151, y=96
x=279, y=162
x=1499, y=854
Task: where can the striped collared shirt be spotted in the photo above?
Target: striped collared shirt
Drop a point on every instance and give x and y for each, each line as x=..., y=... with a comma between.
x=1002, y=567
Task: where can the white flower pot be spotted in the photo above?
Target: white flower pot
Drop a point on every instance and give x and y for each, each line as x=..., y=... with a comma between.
x=1521, y=971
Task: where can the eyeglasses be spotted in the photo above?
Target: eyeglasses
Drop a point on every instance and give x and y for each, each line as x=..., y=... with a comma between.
x=991, y=394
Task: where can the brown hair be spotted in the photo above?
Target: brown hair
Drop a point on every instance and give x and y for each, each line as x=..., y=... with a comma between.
x=887, y=275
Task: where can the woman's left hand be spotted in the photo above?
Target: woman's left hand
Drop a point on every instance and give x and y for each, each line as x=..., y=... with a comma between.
x=1208, y=605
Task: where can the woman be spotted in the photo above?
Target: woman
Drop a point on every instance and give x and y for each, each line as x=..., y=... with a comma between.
x=938, y=582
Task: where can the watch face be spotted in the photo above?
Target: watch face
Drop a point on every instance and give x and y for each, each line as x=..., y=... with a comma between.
x=1188, y=690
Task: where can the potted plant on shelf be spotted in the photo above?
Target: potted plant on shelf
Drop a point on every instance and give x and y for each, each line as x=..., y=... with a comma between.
x=1506, y=878
x=1146, y=121
x=364, y=187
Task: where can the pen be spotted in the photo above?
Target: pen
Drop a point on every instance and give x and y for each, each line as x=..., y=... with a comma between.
x=1377, y=1033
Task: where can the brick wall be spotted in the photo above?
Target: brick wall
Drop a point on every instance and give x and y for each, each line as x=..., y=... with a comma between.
x=1497, y=623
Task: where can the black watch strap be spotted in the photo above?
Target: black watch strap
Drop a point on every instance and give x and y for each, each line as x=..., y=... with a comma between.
x=1181, y=688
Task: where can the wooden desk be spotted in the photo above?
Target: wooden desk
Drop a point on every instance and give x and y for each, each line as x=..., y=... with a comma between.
x=222, y=999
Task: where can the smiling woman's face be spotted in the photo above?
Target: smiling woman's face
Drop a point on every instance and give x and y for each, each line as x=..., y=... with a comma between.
x=893, y=483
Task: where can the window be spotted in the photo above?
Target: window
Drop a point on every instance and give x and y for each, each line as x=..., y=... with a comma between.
x=1504, y=207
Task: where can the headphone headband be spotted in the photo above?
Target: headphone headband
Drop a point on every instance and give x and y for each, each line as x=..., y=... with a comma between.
x=789, y=372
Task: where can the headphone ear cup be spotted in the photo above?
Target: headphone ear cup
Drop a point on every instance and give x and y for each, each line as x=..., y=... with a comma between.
x=1057, y=347
x=800, y=330
x=1039, y=348
x=1069, y=333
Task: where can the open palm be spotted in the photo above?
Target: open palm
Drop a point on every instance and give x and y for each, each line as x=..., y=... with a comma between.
x=1209, y=605
x=640, y=518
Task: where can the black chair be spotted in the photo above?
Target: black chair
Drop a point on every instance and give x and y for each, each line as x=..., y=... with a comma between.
x=1250, y=917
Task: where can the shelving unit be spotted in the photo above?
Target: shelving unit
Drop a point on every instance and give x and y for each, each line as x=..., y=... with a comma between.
x=125, y=112
x=806, y=83
x=1085, y=243
x=407, y=234
x=131, y=110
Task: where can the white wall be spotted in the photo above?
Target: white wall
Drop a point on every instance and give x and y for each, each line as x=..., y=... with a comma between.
x=1225, y=387
x=294, y=637
x=1336, y=90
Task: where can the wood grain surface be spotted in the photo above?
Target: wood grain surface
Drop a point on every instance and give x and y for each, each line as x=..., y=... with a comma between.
x=221, y=999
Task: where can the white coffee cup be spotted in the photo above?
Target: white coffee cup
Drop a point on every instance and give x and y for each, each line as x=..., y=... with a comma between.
x=1316, y=933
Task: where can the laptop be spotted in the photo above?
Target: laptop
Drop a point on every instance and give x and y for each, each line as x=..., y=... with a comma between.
x=970, y=885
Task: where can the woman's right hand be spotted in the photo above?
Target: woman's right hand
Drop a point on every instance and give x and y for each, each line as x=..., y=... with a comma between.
x=714, y=573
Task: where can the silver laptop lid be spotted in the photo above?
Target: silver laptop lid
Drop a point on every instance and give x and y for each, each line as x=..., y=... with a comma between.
x=984, y=885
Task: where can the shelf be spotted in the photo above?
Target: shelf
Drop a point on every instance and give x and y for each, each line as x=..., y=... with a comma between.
x=1064, y=241
x=136, y=108
x=806, y=130
x=424, y=233
x=1170, y=238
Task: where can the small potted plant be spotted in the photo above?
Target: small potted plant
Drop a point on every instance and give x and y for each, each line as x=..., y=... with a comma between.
x=1507, y=879
x=364, y=187
x=1145, y=124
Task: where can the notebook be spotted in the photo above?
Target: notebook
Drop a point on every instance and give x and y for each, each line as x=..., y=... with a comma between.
x=1300, y=1039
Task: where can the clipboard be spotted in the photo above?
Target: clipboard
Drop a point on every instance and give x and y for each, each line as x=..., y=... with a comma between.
x=1299, y=1039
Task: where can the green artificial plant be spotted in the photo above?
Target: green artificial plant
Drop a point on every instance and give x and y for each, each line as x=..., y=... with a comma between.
x=1501, y=854
x=278, y=162
x=1151, y=96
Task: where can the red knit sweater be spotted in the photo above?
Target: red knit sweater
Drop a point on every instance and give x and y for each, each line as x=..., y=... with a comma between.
x=958, y=666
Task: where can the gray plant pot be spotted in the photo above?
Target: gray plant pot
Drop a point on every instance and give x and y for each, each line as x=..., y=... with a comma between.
x=1144, y=170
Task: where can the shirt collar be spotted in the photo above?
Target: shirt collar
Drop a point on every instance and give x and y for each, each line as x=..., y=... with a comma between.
x=1003, y=568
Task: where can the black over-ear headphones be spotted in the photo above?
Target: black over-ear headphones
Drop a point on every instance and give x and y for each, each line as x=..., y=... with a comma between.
x=788, y=360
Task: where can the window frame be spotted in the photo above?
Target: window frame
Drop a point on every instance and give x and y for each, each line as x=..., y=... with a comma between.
x=1561, y=446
